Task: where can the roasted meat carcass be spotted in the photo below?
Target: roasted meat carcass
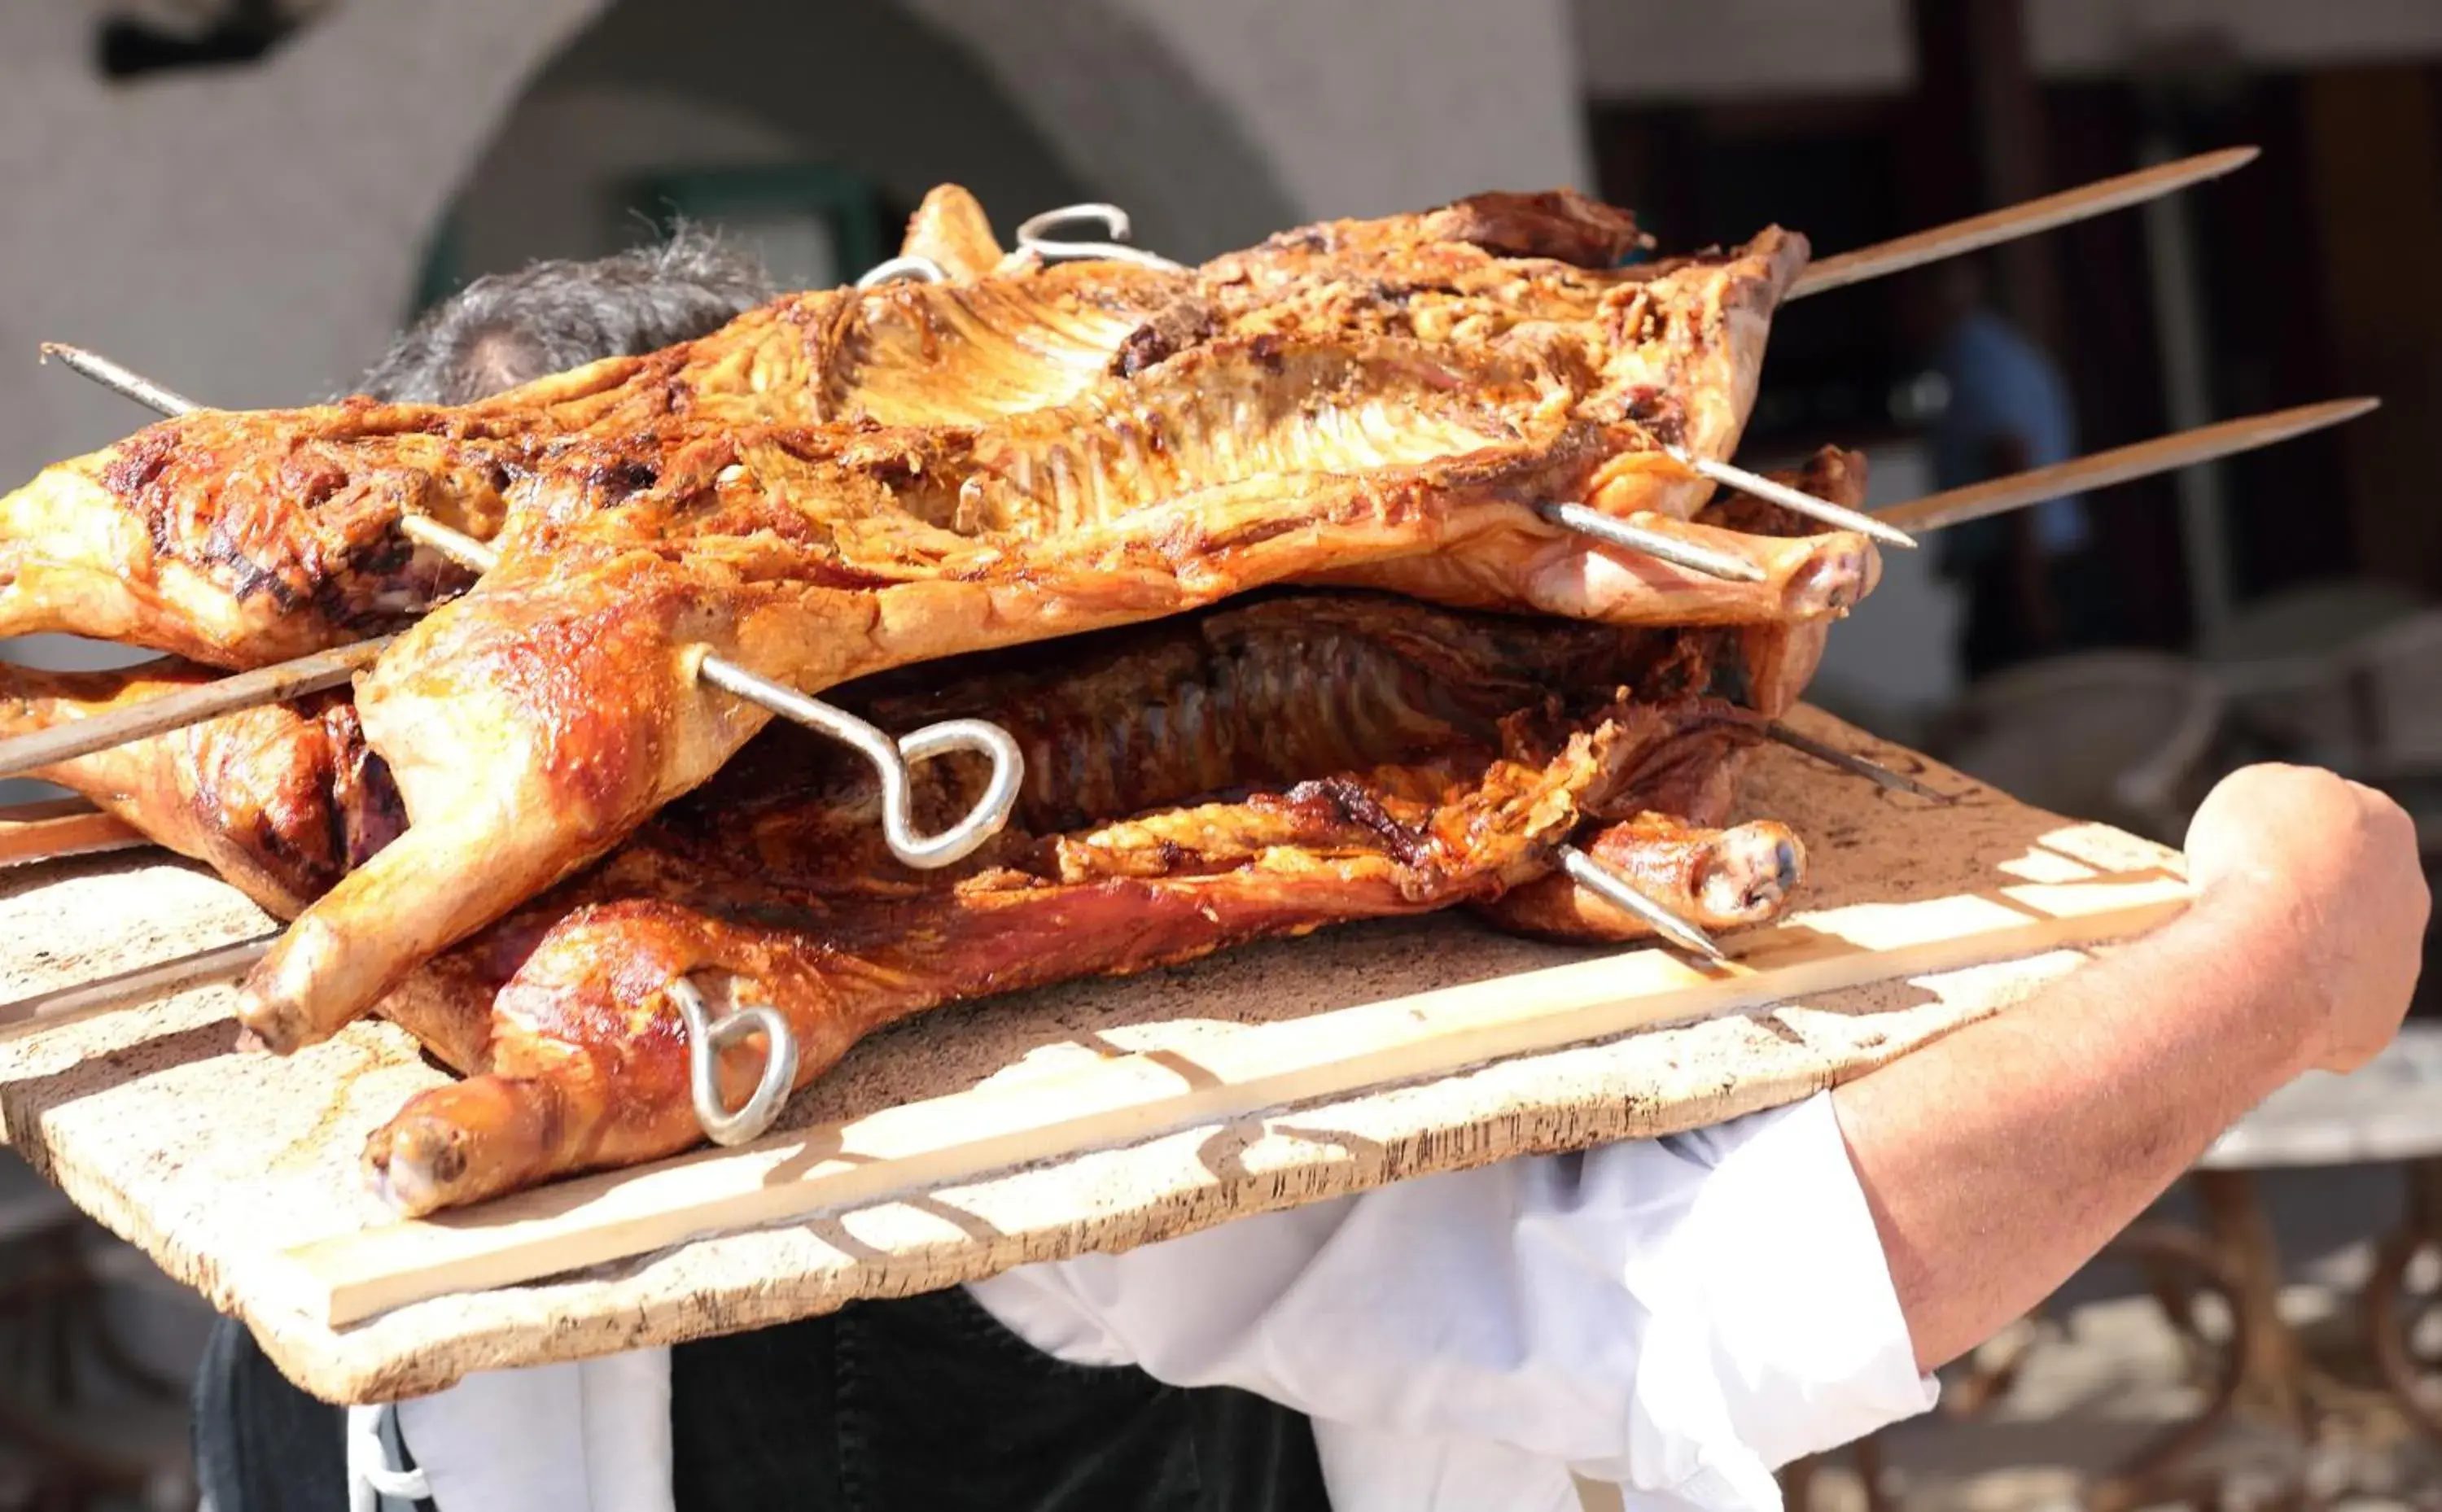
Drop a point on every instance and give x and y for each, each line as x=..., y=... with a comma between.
x=286, y=799
x=1351, y=757
x=1265, y=769
x=240, y=538
x=537, y=720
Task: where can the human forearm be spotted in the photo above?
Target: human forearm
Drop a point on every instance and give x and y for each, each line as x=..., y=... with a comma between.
x=1999, y=1159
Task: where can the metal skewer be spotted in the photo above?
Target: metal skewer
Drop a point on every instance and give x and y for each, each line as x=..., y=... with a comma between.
x=1851, y=763
x=1607, y=884
x=124, y=382
x=1652, y=544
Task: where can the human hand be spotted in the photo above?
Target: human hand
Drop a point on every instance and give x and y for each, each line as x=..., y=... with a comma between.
x=2327, y=870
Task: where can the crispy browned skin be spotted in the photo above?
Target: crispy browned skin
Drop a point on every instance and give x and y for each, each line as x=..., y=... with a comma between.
x=562, y=689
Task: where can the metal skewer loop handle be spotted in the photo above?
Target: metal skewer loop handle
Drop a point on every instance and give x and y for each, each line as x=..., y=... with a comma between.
x=1116, y=228
x=892, y=759
x=902, y=270
x=707, y=1038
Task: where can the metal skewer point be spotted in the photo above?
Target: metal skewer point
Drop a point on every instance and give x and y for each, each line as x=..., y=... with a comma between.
x=1856, y=765
x=1652, y=544
x=1839, y=516
x=124, y=382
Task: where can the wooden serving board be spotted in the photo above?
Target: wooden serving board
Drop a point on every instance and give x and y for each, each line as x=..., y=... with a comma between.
x=1095, y=1116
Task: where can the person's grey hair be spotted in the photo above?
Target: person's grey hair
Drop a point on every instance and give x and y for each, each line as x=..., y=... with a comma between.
x=512, y=328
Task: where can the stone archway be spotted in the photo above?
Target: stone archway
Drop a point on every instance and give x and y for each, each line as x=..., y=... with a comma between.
x=901, y=99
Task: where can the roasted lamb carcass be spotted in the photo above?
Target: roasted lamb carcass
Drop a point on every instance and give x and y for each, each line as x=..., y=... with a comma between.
x=243, y=538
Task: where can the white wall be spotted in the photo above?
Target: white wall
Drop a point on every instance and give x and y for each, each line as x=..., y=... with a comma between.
x=1663, y=50
x=250, y=236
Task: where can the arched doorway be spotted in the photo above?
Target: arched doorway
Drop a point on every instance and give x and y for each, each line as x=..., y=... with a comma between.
x=810, y=131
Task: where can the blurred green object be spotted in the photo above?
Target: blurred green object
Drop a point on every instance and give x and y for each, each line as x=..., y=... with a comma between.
x=812, y=225
x=815, y=226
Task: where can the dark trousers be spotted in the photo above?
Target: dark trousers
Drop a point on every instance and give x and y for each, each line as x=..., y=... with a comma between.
x=925, y=1404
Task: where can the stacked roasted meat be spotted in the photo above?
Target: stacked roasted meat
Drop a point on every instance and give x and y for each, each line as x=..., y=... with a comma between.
x=1249, y=556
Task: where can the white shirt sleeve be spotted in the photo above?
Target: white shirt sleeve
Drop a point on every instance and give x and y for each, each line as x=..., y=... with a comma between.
x=1678, y=1315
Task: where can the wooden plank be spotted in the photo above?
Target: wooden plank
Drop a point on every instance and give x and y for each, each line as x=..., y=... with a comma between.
x=1138, y=1096
x=218, y=1166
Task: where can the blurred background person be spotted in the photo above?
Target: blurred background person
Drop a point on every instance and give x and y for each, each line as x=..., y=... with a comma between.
x=2033, y=582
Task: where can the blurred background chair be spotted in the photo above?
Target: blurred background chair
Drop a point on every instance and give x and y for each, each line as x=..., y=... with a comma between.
x=2120, y=737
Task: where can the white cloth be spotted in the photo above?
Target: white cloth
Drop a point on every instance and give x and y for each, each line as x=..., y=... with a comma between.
x=1678, y=1316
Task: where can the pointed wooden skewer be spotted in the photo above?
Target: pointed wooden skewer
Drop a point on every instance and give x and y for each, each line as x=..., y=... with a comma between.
x=56, y=828
x=277, y=684
x=2143, y=459
x=1980, y=231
